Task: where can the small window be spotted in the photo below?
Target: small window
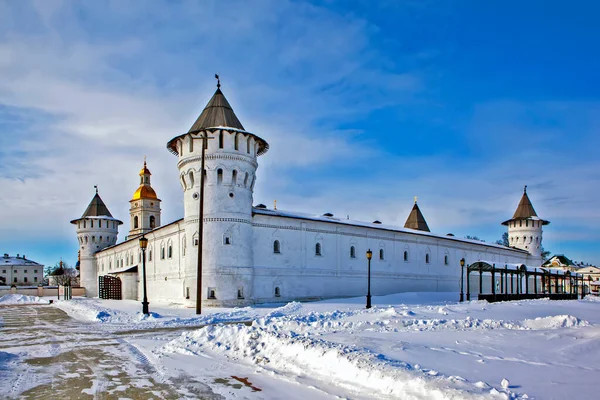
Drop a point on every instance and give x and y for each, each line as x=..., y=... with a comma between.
x=276, y=247
x=152, y=222
x=277, y=292
x=35, y=271
x=135, y=222
x=221, y=140
x=25, y=279
x=240, y=293
x=25, y=271
x=236, y=141
x=248, y=145
x=15, y=280
x=195, y=241
x=406, y=256
x=170, y=252
x=35, y=279
x=212, y=293
x=150, y=255
x=381, y=254
x=219, y=175
x=446, y=260
x=92, y=223
x=526, y=222
x=187, y=292
x=226, y=240
x=162, y=253
x=352, y=252
x=234, y=177
x=427, y=258
x=318, y=249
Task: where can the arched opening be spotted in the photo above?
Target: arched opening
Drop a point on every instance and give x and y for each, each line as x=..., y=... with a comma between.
x=426, y=258
x=170, y=251
x=84, y=223
x=236, y=141
x=221, y=139
x=234, y=177
x=277, y=291
x=406, y=256
x=135, y=222
x=191, y=177
x=86, y=240
x=446, y=260
x=248, y=145
x=352, y=252
x=276, y=247
x=381, y=254
x=246, y=180
x=219, y=176
x=318, y=249
x=152, y=222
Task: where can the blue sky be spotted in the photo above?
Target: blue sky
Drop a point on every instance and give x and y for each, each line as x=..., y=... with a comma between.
x=365, y=104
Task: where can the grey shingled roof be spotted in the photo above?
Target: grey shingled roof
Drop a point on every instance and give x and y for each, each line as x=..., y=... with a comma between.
x=217, y=112
x=525, y=208
x=97, y=208
x=416, y=220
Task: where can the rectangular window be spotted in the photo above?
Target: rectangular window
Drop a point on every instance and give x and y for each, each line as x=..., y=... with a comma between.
x=25, y=279
x=25, y=271
x=15, y=280
x=35, y=271
x=212, y=293
x=35, y=279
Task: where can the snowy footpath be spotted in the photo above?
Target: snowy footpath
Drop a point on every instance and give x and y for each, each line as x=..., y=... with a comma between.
x=408, y=346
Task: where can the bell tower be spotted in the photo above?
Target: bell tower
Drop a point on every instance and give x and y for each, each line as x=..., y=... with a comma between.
x=145, y=206
x=525, y=228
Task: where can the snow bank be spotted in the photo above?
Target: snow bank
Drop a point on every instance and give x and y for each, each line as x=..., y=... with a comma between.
x=287, y=341
x=554, y=322
x=8, y=299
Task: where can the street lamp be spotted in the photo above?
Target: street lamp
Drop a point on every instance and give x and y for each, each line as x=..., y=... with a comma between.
x=369, y=255
x=143, y=245
x=462, y=274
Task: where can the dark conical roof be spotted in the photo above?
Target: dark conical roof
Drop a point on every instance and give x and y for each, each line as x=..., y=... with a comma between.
x=97, y=208
x=217, y=112
x=416, y=220
x=524, y=210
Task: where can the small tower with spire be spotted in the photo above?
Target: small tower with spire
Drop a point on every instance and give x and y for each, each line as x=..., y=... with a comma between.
x=416, y=220
x=525, y=228
x=96, y=230
x=145, y=206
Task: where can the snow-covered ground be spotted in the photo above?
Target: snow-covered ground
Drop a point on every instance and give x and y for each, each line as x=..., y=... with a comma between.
x=409, y=346
x=11, y=299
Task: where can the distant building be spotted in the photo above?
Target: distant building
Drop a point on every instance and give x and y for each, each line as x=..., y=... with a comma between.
x=20, y=271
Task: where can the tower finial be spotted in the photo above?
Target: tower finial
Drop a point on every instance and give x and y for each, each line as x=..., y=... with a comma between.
x=96, y=187
x=144, y=160
x=415, y=199
x=525, y=189
x=218, y=80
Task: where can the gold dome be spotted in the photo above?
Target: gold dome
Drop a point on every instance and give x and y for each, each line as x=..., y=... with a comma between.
x=145, y=170
x=144, y=192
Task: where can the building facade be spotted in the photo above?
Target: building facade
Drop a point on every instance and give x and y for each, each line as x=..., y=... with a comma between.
x=252, y=254
x=20, y=271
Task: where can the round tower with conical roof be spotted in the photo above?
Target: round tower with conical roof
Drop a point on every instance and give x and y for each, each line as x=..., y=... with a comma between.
x=525, y=228
x=96, y=230
x=145, y=206
x=230, y=158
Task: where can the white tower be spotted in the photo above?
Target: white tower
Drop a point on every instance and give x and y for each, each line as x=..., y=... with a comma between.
x=96, y=230
x=145, y=206
x=230, y=167
x=525, y=228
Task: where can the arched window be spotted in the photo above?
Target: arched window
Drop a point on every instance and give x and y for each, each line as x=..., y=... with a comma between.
x=93, y=239
x=236, y=141
x=381, y=254
x=170, y=251
x=520, y=223
x=427, y=258
x=219, y=176
x=221, y=139
x=91, y=223
x=352, y=252
x=191, y=144
x=86, y=240
x=248, y=145
x=100, y=240
x=240, y=291
x=446, y=259
x=152, y=222
x=246, y=180
x=276, y=247
x=135, y=222
x=406, y=256
x=183, y=247
x=162, y=253
x=150, y=255
x=226, y=239
x=191, y=177
x=277, y=292
x=318, y=249
x=84, y=223
x=234, y=177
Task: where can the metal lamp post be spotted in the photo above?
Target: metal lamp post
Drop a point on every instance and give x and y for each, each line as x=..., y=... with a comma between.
x=369, y=255
x=143, y=246
x=462, y=278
